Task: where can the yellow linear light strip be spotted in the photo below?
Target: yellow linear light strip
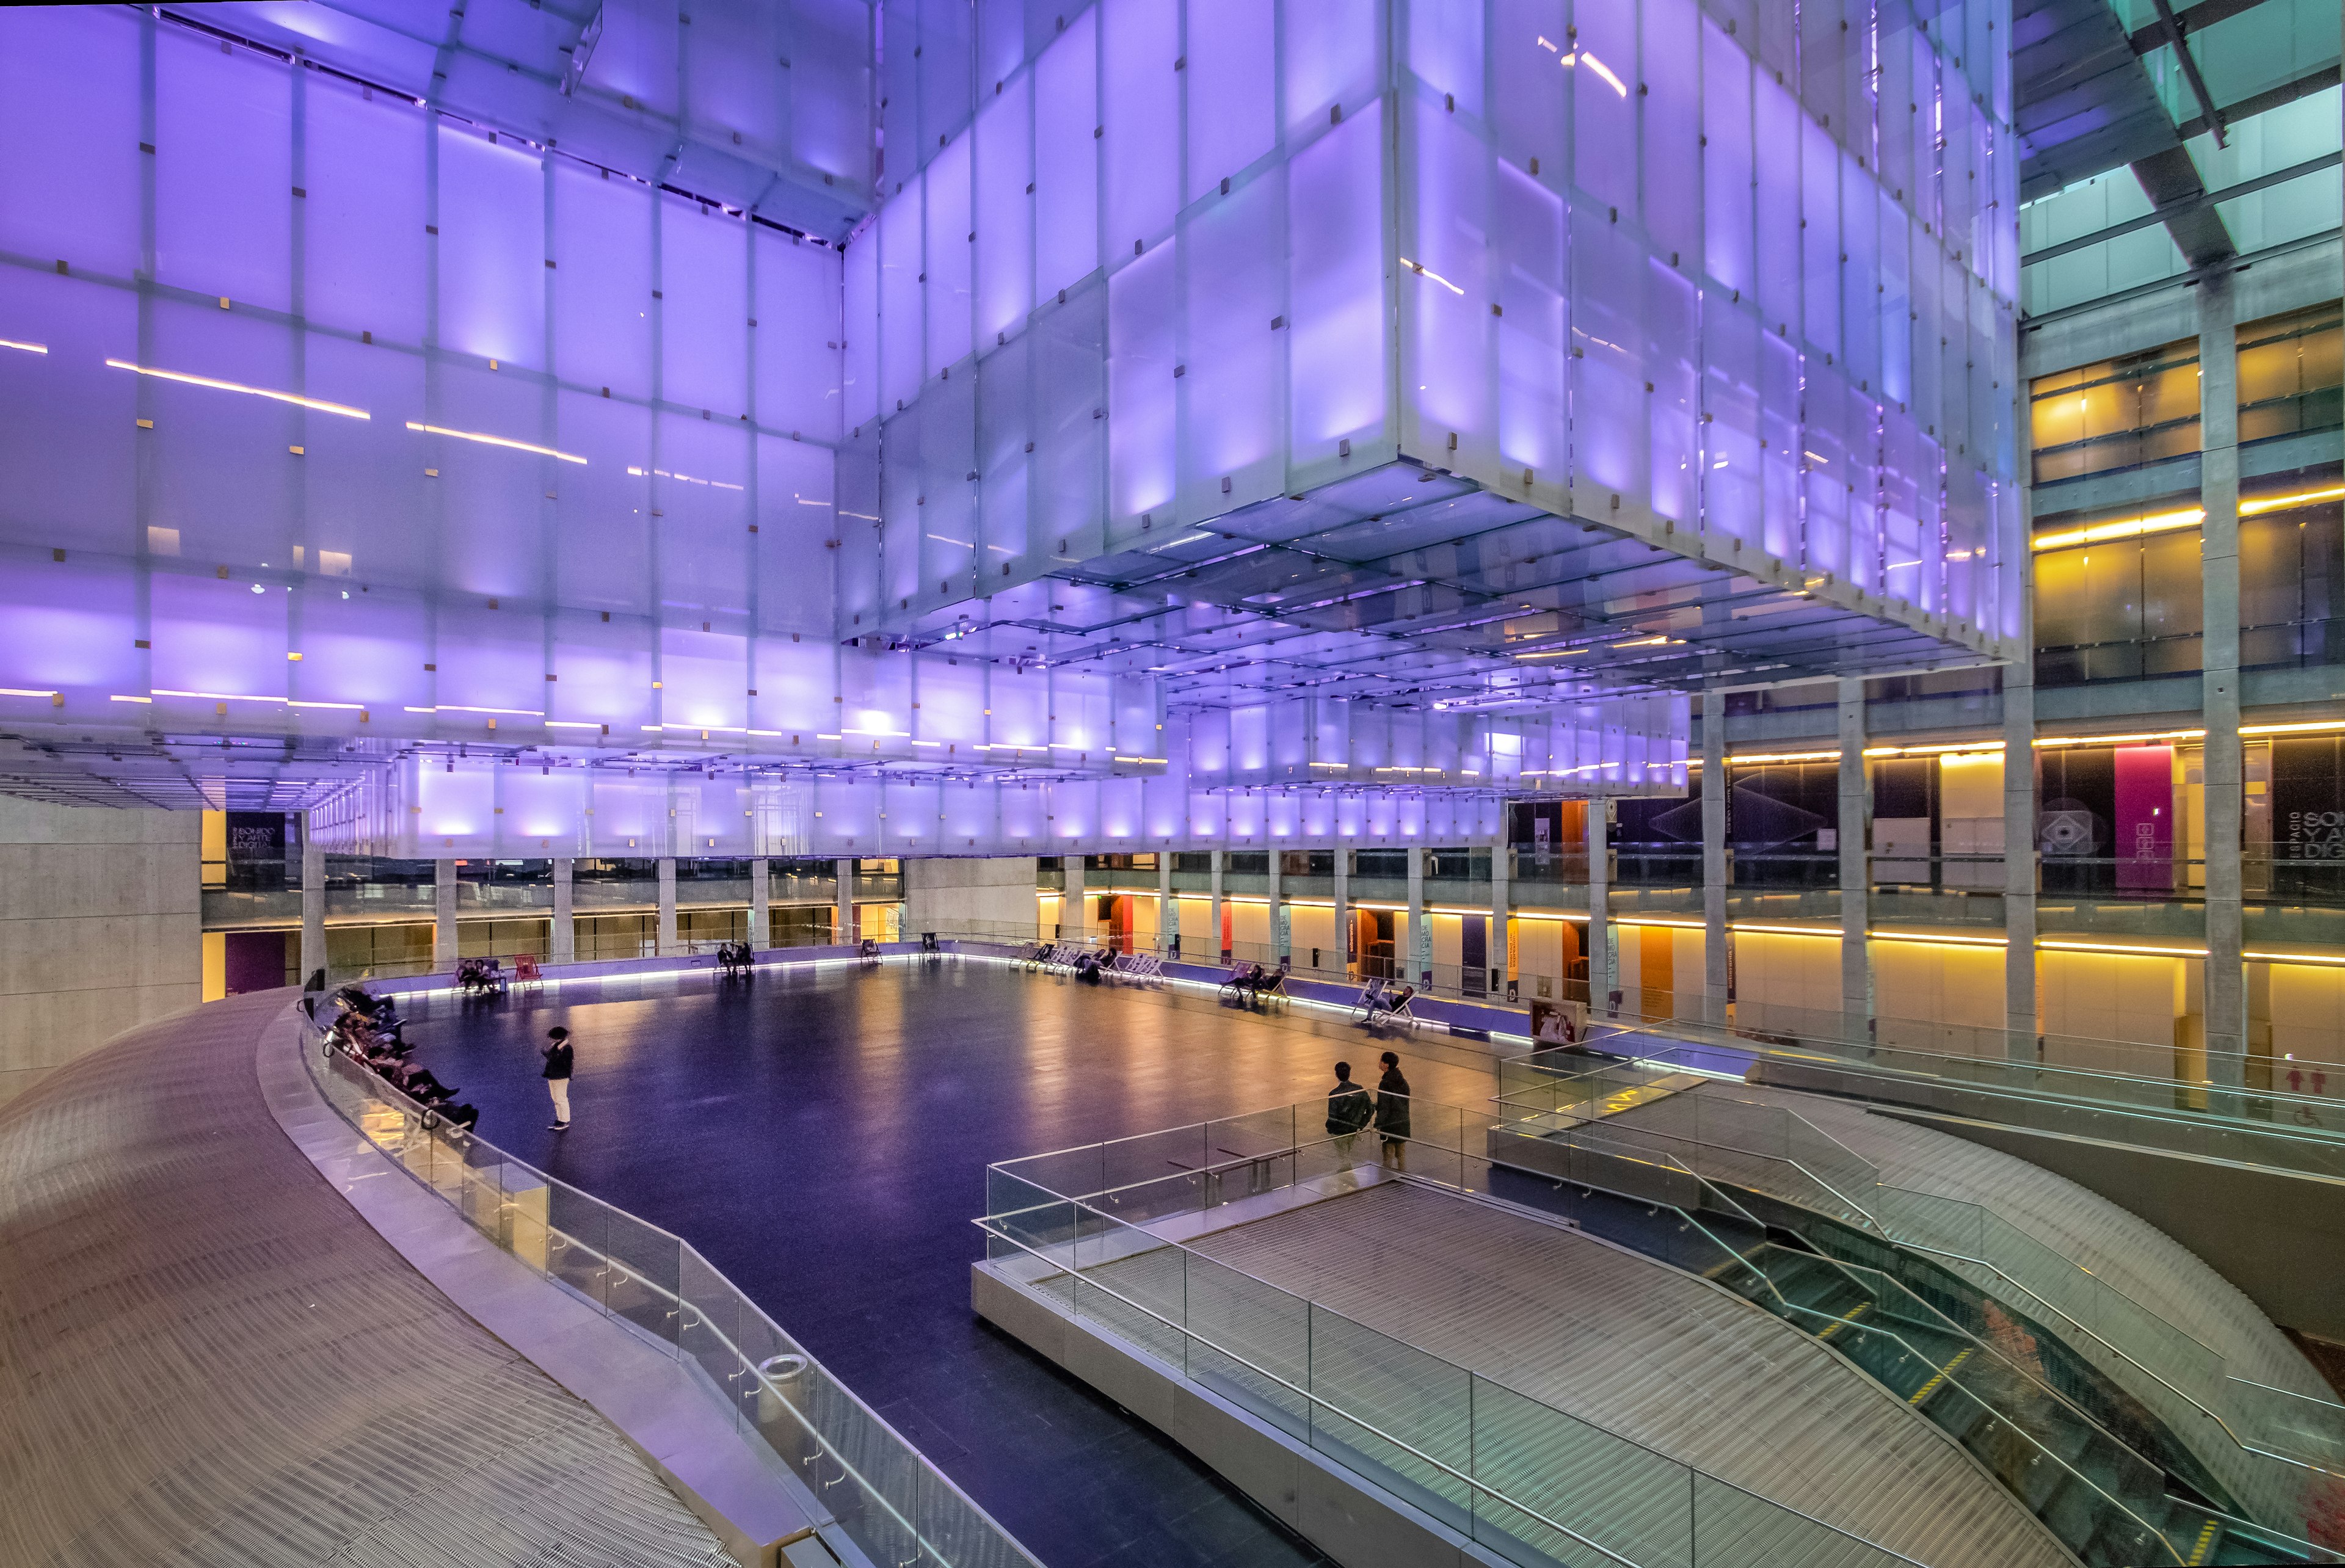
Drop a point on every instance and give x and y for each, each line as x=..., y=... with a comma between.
x=488, y=441
x=24, y=348
x=215, y=697
x=213, y=382
x=2168, y=522
x=23, y=692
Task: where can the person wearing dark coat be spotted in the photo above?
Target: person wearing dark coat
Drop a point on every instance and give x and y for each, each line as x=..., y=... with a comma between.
x=1349, y=1109
x=1392, y=1112
x=557, y=1056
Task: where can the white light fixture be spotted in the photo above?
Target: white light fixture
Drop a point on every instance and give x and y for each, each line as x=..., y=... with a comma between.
x=217, y=385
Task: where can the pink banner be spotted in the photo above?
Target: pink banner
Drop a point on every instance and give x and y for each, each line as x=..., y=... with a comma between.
x=2145, y=818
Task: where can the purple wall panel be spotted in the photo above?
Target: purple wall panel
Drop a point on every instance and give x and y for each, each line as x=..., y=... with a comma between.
x=1230, y=83
x=1066, y=158
x=796, y=302
x=1534, y=333
x=492, y=274
x=68, y=404
x=1004, y=213
x=70, y=138
x=223, y=171
x=1338, y=355
x=950, y=227
x=1140, y=110
x=704, y=317
x=1236, y=287
x=1727, y=220
x=362, y=221
x=1141, y=390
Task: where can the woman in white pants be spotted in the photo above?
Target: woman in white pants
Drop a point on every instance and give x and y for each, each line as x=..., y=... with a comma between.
x=557, y=1075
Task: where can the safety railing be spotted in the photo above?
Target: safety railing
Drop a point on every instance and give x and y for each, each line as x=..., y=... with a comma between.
x=1531, y=1482
x=2280, y=1437
x=885, y=1497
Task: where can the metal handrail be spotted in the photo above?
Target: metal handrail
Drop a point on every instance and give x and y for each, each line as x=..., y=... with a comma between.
x=430, y=1122
x=986, y=1224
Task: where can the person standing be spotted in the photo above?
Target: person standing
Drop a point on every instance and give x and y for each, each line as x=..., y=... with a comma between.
x=557, y=1075
x=1349, y=1109
x=1392, y=1112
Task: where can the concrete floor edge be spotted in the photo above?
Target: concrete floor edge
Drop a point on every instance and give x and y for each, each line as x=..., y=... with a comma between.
x=755, y=1506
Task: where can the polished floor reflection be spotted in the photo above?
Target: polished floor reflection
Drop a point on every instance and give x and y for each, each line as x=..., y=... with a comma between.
x=822, y=1136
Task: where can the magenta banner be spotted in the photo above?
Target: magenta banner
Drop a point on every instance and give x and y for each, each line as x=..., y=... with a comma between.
x=2145, y=818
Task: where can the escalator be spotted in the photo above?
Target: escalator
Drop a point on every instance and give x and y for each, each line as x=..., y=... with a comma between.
x=2102, y=1472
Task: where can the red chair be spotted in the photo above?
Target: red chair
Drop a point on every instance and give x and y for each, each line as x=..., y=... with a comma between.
x=525, y=970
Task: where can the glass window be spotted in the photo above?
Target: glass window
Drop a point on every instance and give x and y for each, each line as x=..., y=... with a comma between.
x=2292, y=373
x=2118, y=414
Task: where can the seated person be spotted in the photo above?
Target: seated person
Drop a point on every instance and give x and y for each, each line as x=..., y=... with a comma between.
x=1087, y=968
x=417, y=1082
x=1400, y=998
x=1256, y=978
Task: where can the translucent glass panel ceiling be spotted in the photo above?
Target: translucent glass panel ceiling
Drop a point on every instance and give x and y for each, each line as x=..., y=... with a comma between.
x=1732, y=287
x=325, y=414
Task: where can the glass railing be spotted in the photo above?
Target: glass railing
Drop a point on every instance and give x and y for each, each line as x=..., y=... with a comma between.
x=2267, y=1441
x=1528, y=1482
x=883, y=1496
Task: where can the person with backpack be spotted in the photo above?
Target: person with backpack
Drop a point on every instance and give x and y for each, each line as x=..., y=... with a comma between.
x=1349, y=1109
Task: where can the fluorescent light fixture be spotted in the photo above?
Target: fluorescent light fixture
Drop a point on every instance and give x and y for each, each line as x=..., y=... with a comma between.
x=23, y=692
x=210, y=696
x=319, y=404
x=1587, y=59
x=24, y=348
x=488, y=441
x=1419, y=269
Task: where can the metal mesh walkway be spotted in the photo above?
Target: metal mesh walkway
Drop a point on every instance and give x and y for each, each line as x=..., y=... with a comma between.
x=206, y=1357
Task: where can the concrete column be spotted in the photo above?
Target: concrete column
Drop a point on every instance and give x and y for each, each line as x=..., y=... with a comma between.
x=761, y=917
x=564, y=948
x=2019, y=856
x=2218, y=560
x=1599, y=910
x=843, y=932
x=1502, y=903
x=665, y=943
x=1282, y=945
x=1415, y=944
x=443, y=914
x=313, y=902
x=1715, y=874
x=1168, y=907
x=1075, y=912
x=1343, y=953
x=1855, y=832
x=1214, y=942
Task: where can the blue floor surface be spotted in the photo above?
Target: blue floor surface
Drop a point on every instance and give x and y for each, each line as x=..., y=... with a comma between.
x=822, y=1136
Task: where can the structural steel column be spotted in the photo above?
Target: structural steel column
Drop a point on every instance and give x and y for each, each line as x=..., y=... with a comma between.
x=1417, y=939
x=1282, y=945
x=1714, y=970
x=843, y=933
x=443, y=914
x=1855, y=875
x=1502, y=905
x=565, y=944
x=1599, y=908
x=666, y=942
x=1344, y=956
x=1213, y=943
x=1168, y=907
x=761, y=921
x=2218, y=560
x=313, y=902
x=2019, y=854
x=1074, y=911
